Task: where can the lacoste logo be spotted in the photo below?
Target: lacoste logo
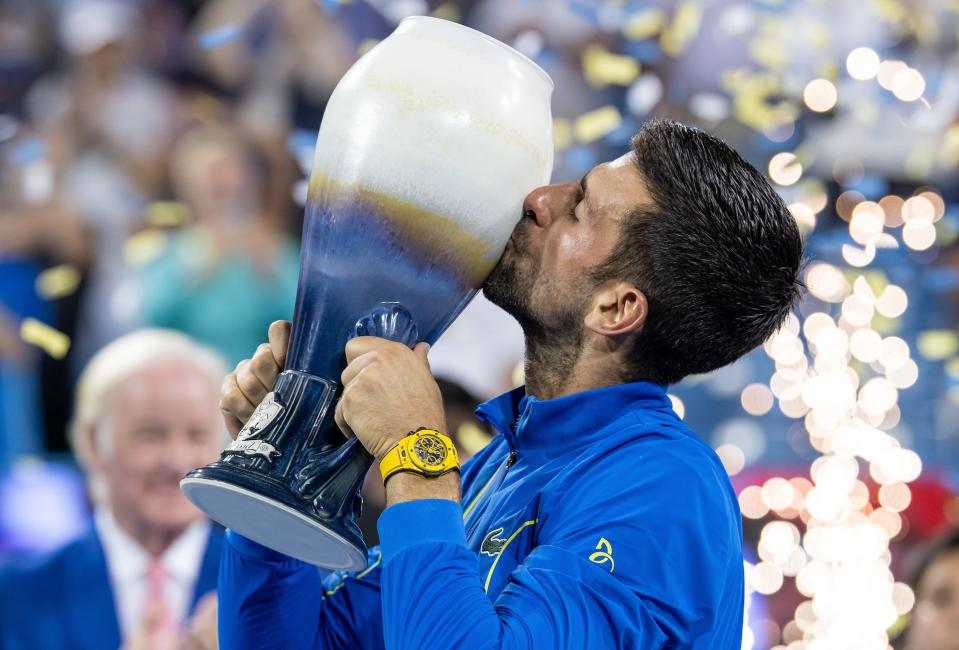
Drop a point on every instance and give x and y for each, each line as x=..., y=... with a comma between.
x=603, y=554
x=492, y=545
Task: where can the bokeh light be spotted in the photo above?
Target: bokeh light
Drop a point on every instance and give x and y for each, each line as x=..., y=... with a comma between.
x=862, y=63
x=820, y=95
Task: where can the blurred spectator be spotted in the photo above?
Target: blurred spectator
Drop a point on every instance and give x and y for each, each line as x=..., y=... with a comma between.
x=232, y=261
x=934, y=624
x=146, y=413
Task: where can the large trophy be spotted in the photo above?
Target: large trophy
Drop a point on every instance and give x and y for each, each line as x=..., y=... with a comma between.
x=429, y=144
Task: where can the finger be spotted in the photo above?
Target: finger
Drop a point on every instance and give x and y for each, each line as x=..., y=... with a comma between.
x=353, y=369
x=233, y=423
x=363, y=344
x=422, y=349
x=249, y=383
x=264, y=367
x=341, y=420
x=232, y=399
x=279, y=337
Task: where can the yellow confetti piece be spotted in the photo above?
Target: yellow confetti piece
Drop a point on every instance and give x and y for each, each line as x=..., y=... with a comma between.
x=937, y=345
x=920, y=161
x=167, y=213
x=769, y=53
x=58, y=281
x=367, y=45
x=949, y=154
x=51, y=341
x=471, y=438
x=644, y=25
x=892, y=11
x=595, y=124
x=684, y=27
x=952, y=367
x=448, y=11
x=144, y=247
x=876, y=280
x=602, y=67
x=818, y=35
x=562, y=134
x=828, y=70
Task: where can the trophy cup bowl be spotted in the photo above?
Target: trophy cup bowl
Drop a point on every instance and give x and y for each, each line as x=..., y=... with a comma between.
x=427, y=149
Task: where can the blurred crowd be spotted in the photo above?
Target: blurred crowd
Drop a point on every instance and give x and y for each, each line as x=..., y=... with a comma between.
x=153, y=166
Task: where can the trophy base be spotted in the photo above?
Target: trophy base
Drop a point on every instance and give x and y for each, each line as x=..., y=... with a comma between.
x=274, y=524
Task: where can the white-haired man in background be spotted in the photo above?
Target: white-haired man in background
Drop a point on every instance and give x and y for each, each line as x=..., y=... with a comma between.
x=143, y=576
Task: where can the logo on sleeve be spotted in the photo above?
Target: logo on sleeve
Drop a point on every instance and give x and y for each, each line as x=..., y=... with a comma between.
x=492, y=545
x=603, y=554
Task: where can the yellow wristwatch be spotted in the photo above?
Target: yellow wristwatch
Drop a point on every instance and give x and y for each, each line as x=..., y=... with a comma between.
x=424, y=451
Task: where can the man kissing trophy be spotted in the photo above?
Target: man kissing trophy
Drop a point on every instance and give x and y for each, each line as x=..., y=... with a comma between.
x=428, y=146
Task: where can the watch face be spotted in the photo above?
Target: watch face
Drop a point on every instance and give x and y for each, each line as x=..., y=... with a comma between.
x=428, y=451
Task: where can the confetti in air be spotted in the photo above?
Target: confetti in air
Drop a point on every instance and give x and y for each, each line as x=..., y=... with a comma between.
x=597, y=123
x=51, y=341
x=167, y=214
x=144, y=247
x=58, y=281
x=218, y=36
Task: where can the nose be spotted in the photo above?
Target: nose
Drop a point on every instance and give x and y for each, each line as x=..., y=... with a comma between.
x=179, y=456
x=545, y=203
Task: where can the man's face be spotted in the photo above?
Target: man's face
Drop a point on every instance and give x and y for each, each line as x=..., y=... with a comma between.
x=935, y=620
x=163, y=422
x=566, y=230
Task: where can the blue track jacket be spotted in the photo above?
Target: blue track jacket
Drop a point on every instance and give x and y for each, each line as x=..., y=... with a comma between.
x=596, y=520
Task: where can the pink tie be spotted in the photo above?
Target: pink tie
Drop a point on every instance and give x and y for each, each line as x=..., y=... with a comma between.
x=156, y=601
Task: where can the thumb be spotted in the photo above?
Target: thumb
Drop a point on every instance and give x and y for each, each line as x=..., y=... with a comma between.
x=422, y=349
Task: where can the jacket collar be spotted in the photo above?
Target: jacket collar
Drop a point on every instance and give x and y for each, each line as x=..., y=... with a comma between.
x=571, y=421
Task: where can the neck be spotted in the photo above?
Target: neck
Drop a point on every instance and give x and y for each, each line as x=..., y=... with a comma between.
x=155, y=540
x=555, y=368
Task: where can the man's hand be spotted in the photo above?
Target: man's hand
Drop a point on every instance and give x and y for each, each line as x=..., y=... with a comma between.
x=245, y=387
x=388, y=391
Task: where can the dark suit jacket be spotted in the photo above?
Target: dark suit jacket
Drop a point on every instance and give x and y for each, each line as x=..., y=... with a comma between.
x=64, y=600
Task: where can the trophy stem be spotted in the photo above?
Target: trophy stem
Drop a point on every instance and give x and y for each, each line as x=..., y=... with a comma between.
x=288, y=481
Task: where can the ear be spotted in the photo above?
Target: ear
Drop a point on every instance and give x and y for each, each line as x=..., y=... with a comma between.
x=618, y=308
x=95, y=447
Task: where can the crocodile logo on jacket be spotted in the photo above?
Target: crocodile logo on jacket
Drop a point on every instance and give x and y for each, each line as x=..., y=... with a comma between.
x=492, y=545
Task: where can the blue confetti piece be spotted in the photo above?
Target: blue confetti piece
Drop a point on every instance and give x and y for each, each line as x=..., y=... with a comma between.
x=301, y=144
x=586, y=10
x=871, y=186
x=219, y=36
x=331, y=7
x=546, y=57
x=28, y=151
x=647, y=51
x=300, y=140
x=581, y=159
x=621, y=134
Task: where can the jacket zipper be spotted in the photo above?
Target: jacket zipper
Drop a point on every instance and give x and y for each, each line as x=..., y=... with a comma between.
x=511, y=460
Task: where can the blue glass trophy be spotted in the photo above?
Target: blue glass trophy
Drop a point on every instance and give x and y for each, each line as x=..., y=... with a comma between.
x=429, y=145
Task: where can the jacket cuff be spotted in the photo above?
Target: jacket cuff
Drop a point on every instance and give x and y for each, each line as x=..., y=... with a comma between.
x=423, y=521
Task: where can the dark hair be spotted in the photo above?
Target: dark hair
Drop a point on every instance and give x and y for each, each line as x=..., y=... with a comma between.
x=929, y=553
x=919, y=561
x=717, y=254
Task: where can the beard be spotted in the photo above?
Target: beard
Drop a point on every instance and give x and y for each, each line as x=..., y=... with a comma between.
x=551, y=316
x=509, y=286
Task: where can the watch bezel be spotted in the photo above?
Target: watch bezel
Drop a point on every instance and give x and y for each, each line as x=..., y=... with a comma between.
x=432, y=469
